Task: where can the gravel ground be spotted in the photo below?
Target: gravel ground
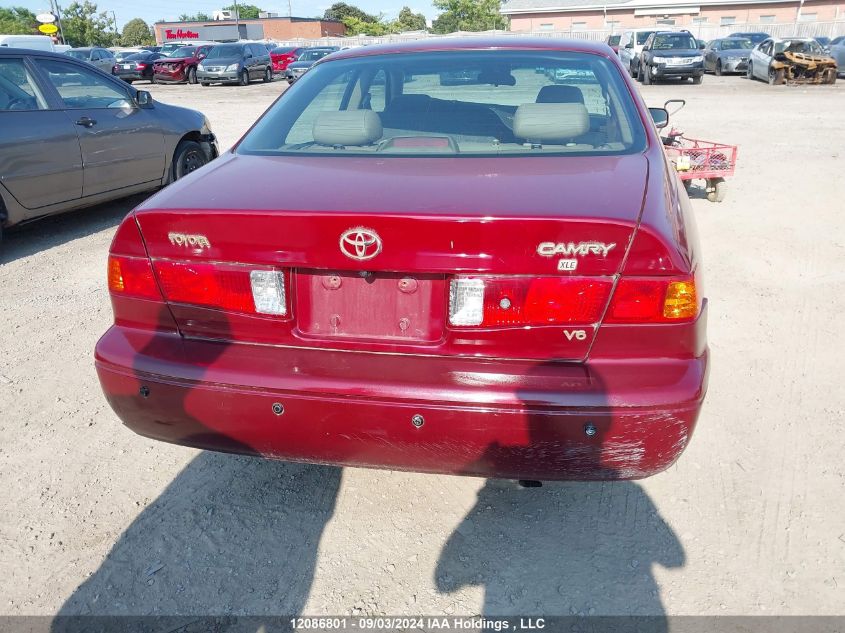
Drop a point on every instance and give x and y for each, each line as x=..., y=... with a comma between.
x=98, y=520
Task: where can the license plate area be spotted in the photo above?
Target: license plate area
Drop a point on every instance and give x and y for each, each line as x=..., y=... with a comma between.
x=371, y=306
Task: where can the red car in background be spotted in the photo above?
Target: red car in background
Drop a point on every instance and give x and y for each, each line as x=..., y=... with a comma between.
x=494, y=278
x=284, y=55
x=181, y=65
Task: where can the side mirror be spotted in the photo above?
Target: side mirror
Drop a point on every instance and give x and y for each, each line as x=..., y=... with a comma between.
x=629, y=45
x=144, y=99
x=701, y=46
x=660, y=117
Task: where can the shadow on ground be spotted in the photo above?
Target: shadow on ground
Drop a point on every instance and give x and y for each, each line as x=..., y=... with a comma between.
x=40, y=235
x=230, y=536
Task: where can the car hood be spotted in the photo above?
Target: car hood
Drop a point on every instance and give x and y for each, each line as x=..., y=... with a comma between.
x=221, y=61
x=301, y=64
x=683, y=52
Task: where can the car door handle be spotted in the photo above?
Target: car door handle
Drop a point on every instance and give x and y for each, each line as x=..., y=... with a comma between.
x=86, y=122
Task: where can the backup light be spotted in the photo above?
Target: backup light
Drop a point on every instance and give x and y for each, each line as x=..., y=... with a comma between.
x=268, y=292
x=466, y=301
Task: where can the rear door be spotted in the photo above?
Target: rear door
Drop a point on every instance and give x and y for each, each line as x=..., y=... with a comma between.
x=40, y=157
x=122, y=145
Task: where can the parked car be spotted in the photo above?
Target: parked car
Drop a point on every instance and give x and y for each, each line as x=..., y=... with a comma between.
x=181, y=65
x=72, y=136
x=168, y=48
x=101, y=58
x=121, y=53
x=837, y=51
x=613, y=42
x=137, y=67
x=282, y=56
x=755, y=36
x=671, y=55
x=235, y=63
x=824, y=42
x=306, y=59
x=762, y=64
x=727, y=55
x=630, y=46
x=385, y=314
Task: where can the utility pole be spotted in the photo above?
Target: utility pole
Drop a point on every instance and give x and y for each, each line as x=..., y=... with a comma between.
x=54, y=7
x=290, y=10
x=237, y=19
x=114, y=26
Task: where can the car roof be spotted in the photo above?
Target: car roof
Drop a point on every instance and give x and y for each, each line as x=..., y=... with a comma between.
x=442, y=44
x=17, y=52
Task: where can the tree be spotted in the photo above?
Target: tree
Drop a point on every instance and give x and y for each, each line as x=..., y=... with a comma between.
x=83, y=26
x=136, y=32
x=341, y=10
x=245, y=11
x=356, y=26
x=409, y=21
x=198, y=17
x=468, y=15
x=17, y=21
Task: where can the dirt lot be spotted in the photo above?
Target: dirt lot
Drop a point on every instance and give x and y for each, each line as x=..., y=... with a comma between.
x=98, y=520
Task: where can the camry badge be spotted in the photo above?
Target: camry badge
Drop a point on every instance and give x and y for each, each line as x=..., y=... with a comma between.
x=360, y=243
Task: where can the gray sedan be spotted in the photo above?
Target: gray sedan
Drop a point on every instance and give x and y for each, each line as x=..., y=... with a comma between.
x=72, y=136
x=727, y=55
x=101, y=58
x=837, y=51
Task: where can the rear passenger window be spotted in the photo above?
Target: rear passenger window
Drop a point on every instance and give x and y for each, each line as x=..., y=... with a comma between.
x=17, y=89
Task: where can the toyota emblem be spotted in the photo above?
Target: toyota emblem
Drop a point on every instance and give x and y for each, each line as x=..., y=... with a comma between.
x=360, y=243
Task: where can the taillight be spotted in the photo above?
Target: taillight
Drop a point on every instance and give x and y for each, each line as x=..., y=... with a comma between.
x=140, y=66
x=132, y=277
x=521, y=301
x=654, y=300
x=230, y=287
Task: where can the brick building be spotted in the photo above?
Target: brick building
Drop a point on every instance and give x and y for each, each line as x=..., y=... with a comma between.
x=614, y=15
x=248, y=29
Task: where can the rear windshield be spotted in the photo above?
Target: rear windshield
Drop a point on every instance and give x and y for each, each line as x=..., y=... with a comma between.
x=811, y=47
x=313, y=56
x=226, y=50
x=83, y=55
x=282, y=50
x=465, y=103
x=642, y=36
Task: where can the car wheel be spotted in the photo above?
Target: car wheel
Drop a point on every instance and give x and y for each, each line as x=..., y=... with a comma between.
x=634, y=71
x=697, y=79
x=188, y=157
x=775, y=76
x=205, y=84
x=268, y=75
x=192, y=75
x=645, y=75
x=244, y=77
x=717, y=189
x=749, y=72
x=718, y=69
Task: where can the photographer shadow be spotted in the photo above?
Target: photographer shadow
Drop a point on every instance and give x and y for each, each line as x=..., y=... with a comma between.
x=566, y=548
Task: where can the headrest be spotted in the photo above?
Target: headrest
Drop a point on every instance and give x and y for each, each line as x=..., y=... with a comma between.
x=550, y=122
x=347, y=127
x=559, y=94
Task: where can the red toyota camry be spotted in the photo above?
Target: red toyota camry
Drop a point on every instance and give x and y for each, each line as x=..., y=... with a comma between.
x=424, y=256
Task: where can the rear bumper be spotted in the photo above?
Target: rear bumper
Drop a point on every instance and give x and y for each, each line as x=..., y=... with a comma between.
x=517, y=420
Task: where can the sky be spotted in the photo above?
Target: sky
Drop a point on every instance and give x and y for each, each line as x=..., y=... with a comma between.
x=153, y=10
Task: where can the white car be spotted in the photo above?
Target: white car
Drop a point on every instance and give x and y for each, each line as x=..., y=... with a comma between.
x=630, y=46
x=33, y=42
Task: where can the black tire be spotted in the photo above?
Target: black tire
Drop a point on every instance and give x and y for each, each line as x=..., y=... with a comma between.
x=718, y=69
x=697, y=79
x=749, y=73
x=244, y=78
x=635, y=71
x=268, y=75
x=719, y=189
x=188, y=157
x=205, y=84
x=775, y=77
x=192, y=75
x=645, y=76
